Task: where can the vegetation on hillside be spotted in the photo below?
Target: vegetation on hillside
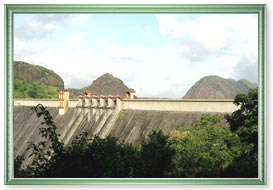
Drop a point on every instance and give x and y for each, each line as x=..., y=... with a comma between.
x=33, y=81
x=34, y=90
x=205, y=150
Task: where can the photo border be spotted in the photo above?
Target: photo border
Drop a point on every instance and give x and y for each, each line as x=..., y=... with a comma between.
x=11, y=9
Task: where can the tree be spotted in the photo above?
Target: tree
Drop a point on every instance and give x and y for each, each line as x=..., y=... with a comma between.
x=32, y=93
x=94, y=157
x=155, y=156
x=205, y=150
x=244, y=123
x=43, y=153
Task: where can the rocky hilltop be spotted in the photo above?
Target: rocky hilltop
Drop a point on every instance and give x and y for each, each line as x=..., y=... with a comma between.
x=215, y=87
x=106, y=84
x=33, y=73
x=33, y=81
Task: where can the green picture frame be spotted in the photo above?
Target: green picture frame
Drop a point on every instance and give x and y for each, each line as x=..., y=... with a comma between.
x=11, y=9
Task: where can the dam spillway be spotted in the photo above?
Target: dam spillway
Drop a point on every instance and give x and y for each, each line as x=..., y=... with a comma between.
x=75, y=121
x=128, y=125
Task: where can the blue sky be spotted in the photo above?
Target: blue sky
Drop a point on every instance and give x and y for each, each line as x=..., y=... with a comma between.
x=159, y=55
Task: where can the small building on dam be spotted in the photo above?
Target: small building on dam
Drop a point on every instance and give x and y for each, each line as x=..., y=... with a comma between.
x=128, y=119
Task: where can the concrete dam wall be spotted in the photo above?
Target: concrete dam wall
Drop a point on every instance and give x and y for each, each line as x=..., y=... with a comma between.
x=191, y=105
x=129, y=120
x=129, y=125
x=76, y=120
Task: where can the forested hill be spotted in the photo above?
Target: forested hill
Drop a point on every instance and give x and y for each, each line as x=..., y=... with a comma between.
x=33, y=81
x=215, y=87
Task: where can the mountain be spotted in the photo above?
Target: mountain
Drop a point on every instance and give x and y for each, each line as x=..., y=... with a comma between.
x=33, y=81
x=107, y=84
x=215, y=87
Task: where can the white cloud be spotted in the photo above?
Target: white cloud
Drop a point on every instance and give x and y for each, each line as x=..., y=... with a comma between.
x=79, y=20
x=229, y=38
x=169, y=25
x=123, y=52
x=229, y=61
x=210, y=30
x=75, y=40
x=38, y=26
x=20, y=50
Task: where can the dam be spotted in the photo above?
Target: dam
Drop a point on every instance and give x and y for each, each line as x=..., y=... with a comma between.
x=128, y=119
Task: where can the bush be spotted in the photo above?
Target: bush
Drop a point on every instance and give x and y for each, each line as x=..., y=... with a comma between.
x=205, y=150
x=155, y=156
x=244, y=123
x=32, y=93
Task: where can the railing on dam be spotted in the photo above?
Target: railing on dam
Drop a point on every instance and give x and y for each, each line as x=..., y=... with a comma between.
x=45, y=102
x=190, y=105
x=98, y=102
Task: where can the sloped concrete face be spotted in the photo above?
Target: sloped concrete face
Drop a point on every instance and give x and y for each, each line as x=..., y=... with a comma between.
x=133, y=125
x=129, y=126
x=75, y=121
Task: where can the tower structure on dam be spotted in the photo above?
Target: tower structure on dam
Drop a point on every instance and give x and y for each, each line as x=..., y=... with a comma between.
x=63, y=102
x=130, y=94
x=99, y=102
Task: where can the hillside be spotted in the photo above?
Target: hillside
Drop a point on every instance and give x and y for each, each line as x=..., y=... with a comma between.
x=106, y=84
x=215, y=87
x=33, y=81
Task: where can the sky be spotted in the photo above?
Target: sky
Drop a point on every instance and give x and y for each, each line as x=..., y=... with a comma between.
x=159, y=55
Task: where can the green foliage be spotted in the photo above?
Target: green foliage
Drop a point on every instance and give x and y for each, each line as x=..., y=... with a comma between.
x=43, y=153
x=49, y=129
x=155, y=156
x=94, y=157
x=244, y=123
x=34, y=90
x=32, y=93
x=30, y=73
x=204, y=150
x=18, y=170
